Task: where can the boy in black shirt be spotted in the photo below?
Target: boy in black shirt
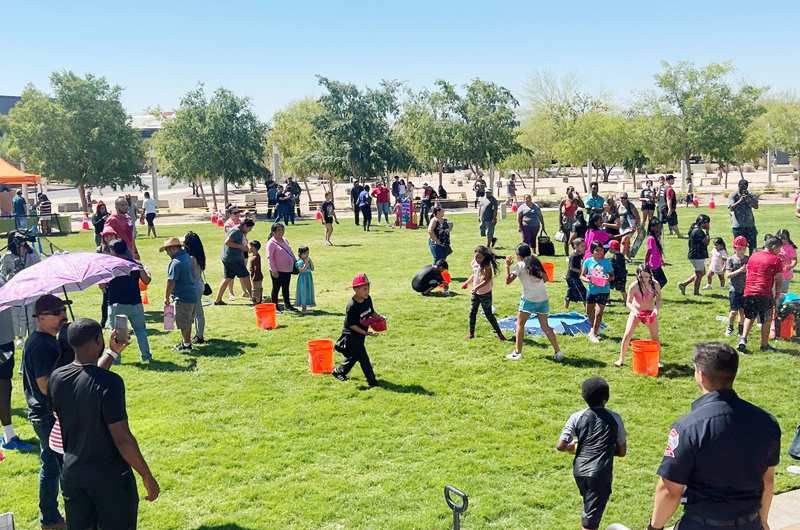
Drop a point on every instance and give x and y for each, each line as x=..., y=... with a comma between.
x=617, y=260
x=600, y=437
x=576, y=291
x=430, y=277
x=351, y=343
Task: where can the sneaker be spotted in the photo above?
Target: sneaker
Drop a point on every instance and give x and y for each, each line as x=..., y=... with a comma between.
x=15, y=444
x=494, y=241
x=708, y=287
x=198, y=340
x=146, y=359
x=220, y=302
x=61, y=524
x=723, y=287
x=469, y=336
x=682, y=289
x=182, y=347
x=291, y=308
x=729, y=331
x=375, y=385
x=742, y=346
x=514, y=356
x=337, y=375
x=594, y=338
x=231, y=298
x=769, y=349
x=793, y=469
x=559, y=356
x=501, y=336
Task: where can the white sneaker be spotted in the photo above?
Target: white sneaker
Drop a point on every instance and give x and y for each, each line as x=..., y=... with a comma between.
x=514, y=356
x=594, y=338
x=723, y=287
x=559, y=356
x=20, y=342
x=708, y=287
x=793, y=469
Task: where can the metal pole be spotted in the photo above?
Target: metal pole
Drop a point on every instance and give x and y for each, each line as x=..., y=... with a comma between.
x=491, y=176
x=154, y=172
x=769, y=168
x=683, y=174
x=275, y=168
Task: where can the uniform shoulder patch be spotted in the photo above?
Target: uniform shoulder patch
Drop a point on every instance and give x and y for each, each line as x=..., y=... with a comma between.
x=672, y=443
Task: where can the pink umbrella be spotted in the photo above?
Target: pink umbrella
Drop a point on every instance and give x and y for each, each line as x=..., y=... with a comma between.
x=62, y=273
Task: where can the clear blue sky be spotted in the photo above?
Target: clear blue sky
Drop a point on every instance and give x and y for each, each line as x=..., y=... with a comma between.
x=270, y=51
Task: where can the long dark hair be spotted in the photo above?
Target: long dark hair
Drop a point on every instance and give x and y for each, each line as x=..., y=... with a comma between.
x=194, y=247
x=275, y=228
x=593, y=219
x=639, y=270
x=488, y=257
x=650, y=226
x=532, y=263
x=701, y=219
x=785, y=233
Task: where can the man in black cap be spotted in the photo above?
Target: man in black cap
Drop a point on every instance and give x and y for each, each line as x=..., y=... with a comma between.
x=39, y=356
x=720, y=458
x=99, y=449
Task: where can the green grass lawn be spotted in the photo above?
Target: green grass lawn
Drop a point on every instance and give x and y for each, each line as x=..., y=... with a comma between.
x=240, y=435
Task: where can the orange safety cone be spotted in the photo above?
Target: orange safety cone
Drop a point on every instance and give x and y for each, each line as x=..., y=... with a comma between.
x=213, y=217
x=220, y=219
x=711, y=204
x=796, y=195
x=143, y=290
x=85, y=222
x=514, y=207
x=318, y=215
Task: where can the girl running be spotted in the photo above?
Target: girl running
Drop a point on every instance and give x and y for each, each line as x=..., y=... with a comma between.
x=716, y=264
x=534, y=299
x=644, y=301
x=654, y=258
x=484, y=267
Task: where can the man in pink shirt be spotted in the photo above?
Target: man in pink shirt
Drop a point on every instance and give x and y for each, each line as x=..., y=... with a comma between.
x=122, y=224
x=762, y=290
x=381, y=194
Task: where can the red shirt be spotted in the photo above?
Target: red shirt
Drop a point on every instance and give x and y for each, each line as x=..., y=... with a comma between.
x=123, y=226
x=762, y=267
x=381, y=194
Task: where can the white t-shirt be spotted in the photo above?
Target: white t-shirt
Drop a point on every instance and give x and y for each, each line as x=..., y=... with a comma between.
x=149, y=205
x=533, y=288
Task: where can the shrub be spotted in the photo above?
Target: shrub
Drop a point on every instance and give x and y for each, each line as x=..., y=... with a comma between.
x=546, y=203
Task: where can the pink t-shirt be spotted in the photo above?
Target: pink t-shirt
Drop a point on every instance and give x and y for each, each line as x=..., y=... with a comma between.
x=595, y=235
x=656, y=260
x=123, y=226
x=788, y=254
x=476, y=279
x=280, y=256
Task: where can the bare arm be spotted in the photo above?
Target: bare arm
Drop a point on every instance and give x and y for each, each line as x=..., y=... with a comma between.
x=766, y=497
x=145, y=277
x=667, y=500
x=170, y=287
x=42, y=382
x=129, y=449
x=509, y=276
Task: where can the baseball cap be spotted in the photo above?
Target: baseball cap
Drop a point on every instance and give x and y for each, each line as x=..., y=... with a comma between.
x=170, y=242
x=108, y=230
x=670, y=177
x=614, y=244
x=48, y=303
x=360, y=280
x=740, y=242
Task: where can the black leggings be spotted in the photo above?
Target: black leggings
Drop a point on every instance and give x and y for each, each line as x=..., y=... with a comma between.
x=281, y=283
x=484, y=301
x=104, y=310
x=366, y=212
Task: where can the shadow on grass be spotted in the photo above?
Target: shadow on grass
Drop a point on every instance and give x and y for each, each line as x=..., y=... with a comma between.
x=230, y=526
x=696, y=300
x=346, y=245
x=580, y=362
x=166, y=366
x=221, y=348
x=675, y=371
x=405, y=389
x=319, y=312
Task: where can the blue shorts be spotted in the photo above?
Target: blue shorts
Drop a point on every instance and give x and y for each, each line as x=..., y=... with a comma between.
x=737, y=300
x=534, y=308
x=597, y=298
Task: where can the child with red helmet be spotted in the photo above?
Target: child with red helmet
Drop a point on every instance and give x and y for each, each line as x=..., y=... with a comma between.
x=357, y=318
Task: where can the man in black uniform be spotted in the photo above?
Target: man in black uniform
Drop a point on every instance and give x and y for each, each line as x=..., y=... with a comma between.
x=293, y=188
x=430, y=277
x=355, y=192
x=720, y=458
x=99, y=449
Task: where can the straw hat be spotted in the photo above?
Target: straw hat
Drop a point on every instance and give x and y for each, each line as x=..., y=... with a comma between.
x=170, y=242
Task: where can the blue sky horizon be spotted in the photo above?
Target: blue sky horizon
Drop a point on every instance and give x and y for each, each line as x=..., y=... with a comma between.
x=271, y=52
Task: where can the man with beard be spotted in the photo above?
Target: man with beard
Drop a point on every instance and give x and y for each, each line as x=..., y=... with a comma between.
x=122, y=223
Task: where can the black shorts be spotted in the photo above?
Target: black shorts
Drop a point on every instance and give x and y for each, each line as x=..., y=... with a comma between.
x=660, y=277
x=599, y=298
x=669, y=220
x=576, y=291
x=235, y=269
x=149, y=217
x=480, y=193
x=758, y=306
x=7, y=367
x=650, y=207
x=595, y=492
x=737, y=300
x=105, y=499
x=327, y=220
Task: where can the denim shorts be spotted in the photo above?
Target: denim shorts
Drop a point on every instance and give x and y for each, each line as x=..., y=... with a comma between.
x=534, y=308
x=736, y=300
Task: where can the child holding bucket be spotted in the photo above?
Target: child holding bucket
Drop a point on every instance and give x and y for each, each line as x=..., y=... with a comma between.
x=597, y=272
x=534, y=299
x=484, y=267
x=304, y=296
x=644, y=301
x=354, y=332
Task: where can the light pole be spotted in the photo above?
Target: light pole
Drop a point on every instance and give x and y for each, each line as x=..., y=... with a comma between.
x=769, y=156
x=154, y=172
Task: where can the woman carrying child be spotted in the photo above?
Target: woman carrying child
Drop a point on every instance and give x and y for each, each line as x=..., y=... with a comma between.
x=644, y=301
x=716, y=264
x=534, y=301
x=304, y=295
x=484, y=266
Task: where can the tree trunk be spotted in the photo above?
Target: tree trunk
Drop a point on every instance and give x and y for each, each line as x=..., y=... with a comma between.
x=82, y=193
x=634, y=180
x=203, y=192
x=606, y=171
x=305, y=183
x=214, y=195
x=440, y=175
x=583, y=181
x=225, y=188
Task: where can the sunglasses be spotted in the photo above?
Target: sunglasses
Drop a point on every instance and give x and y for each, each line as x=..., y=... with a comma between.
x=57, y=312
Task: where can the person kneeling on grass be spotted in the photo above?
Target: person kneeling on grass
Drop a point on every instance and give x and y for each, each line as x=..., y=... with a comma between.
x=354, y=333
x=598, y=273
x=430, y=277
x=534, y=299
x=600, y=436
x=644, y=301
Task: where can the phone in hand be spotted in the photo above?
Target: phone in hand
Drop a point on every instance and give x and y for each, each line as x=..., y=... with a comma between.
x=121, y=327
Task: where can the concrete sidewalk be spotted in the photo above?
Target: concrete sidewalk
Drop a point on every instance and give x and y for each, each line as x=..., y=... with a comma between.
x=785, y=511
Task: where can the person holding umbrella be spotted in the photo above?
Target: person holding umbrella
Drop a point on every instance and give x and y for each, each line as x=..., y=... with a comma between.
x=181, y=287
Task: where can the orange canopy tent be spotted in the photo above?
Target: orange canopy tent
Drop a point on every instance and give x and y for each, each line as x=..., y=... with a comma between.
x=11, y=175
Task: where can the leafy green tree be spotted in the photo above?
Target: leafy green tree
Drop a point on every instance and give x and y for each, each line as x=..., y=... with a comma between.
x=211, y=139
x=78, y=134
x=354, y=130
x=786, y=122
x=293, y=129
x=603, y=138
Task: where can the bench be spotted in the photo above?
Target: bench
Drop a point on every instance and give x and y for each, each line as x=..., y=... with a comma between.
x=551, y=190
x=69, y=207
x=783, y=169
x=712, y=181
x=163, y=204
x=698, y=170
x=623, y=185
x=194, y=202
x=254, y=199
x=461, y=194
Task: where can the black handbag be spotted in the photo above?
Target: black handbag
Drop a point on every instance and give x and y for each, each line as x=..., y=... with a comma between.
x=546, y=247
x=794, y=448
x=206, y=288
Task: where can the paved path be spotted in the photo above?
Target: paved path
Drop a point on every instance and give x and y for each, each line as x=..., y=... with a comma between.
x=785, y=511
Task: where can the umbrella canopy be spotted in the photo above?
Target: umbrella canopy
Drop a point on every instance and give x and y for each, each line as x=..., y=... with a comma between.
x=62, y=274
x=562, y=323
x=11, y=175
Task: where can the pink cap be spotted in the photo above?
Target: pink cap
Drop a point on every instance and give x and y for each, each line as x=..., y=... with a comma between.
x=108, y=230
x=360, y=280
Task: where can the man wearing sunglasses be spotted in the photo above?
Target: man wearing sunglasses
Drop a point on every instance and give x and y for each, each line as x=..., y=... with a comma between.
x=39, y=356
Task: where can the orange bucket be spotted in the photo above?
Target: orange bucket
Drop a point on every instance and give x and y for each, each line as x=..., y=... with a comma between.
x=550, y=269
x=265, y=316
x=645, y=357
x=787, y=327
x=320, y=356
